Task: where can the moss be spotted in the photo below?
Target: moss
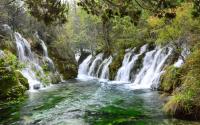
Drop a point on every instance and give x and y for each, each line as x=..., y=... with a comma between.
x=69, y=70
x=116, y=64
x=13, y=84
x=185, y=102
x=22, y=79
x=170, y=80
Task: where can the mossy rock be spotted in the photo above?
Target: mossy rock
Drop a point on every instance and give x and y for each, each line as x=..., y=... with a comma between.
x=170, y=80
x=116, y=64
x=55, y=78
x=13, y=85
x=12, y=82
x=22, y=79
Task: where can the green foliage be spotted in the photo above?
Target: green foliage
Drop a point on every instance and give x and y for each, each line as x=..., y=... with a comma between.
x=10, y=60
x=84, y=30
x=170, y=80
x=179, y=27
x=116, y=64
x=196, y=11
x=49, y=11
x=185, y=102
x=13, y=84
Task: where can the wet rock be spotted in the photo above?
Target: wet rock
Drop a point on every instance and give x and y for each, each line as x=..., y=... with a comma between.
x=36, y=86
x=83, y=56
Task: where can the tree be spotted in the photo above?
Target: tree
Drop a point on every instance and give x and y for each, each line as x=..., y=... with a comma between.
x=107, y=10
x=49, y=11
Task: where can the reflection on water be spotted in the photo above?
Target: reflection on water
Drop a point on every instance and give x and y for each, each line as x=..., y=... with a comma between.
x=89, y=102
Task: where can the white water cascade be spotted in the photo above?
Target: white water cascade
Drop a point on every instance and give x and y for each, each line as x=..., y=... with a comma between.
x=97, y=60
x=153, y=64
x=145, y=77
x=123, y=73
x=95, y=67
x=33, y=70
x=84, y=66
x=45, y=53
x=26, y=56
x=105, y=70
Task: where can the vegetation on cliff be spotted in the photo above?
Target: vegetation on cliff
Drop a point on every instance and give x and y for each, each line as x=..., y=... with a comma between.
x=184, y=84
x=13, y=84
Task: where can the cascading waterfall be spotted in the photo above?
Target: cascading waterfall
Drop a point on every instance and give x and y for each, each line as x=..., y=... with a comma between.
x=77, y=56
x=45, y=53
x=84, y=66
x=123, y=73
x=153, y=64
x=147, y=76
x=26, y=56
x=105, y=70
x=97, y=60
x=95, y=67
x=124, y=64
x=32, y=71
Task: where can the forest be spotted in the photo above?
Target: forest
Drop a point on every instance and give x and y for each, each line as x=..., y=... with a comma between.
x=100, y=62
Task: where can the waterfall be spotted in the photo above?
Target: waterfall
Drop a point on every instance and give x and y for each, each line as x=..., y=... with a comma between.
x=95, y=67
x=153, y=64
x=105, y=70
x=124, y=64
x=147, y=76
x=26, y=56
x=185, y=52
x=45, y=53
x=33, y=70
x=123, y=73
x=97, y=60
x=84, y=66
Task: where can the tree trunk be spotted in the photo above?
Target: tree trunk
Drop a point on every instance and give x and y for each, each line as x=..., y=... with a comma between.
x=106, y=35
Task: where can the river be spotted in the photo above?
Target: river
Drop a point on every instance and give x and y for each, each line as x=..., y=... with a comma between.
x=89, y=102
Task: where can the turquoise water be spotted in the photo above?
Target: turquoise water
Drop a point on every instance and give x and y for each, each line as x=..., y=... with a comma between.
x=89, y=103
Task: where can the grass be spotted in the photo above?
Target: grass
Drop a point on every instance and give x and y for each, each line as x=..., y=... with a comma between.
x=185, y=102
